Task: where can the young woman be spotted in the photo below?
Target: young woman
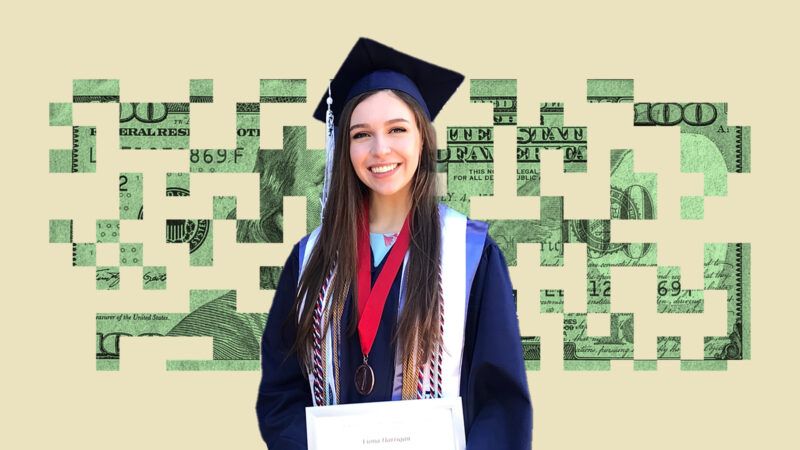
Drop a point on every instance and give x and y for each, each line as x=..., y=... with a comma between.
x=394, y=296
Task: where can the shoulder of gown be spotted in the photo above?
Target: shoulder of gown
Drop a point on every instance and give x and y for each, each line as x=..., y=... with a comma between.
x=283, y=392
x=498, y=412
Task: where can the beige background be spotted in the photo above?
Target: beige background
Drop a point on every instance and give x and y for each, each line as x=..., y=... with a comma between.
x=743, y=55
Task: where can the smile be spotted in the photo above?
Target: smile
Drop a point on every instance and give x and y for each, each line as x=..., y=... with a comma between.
x=384, y=168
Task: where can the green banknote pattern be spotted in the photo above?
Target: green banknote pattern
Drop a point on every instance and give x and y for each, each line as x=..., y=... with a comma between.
x=709, y=145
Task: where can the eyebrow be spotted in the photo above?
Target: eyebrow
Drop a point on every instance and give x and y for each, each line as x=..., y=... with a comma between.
x=359, y=125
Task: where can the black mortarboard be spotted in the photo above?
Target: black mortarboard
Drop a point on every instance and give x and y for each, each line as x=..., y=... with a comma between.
x=371, y=65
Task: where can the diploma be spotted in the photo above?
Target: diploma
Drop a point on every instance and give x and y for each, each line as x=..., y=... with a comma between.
x=435, y=424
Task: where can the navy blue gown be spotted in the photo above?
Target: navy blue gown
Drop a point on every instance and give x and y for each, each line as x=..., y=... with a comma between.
x=494, y=388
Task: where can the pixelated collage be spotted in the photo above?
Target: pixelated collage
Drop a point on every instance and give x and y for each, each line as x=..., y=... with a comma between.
x=709, y=146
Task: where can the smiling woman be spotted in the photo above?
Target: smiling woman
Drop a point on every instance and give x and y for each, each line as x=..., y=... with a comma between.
x=433, y=318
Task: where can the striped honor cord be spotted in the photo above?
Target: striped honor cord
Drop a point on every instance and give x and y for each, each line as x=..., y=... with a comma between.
x=436, y=356
x=441, y=341
x=319, y=374
x=420, y=376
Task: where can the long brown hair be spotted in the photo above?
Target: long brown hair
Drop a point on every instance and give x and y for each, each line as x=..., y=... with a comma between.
x=338, y=242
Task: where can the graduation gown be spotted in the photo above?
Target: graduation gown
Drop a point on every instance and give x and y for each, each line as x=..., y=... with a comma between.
x=493, y=386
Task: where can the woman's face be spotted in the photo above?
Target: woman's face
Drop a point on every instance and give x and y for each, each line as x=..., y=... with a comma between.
x=385, y=144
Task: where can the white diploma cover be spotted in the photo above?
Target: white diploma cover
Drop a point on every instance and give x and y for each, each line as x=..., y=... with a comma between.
x=435, y=424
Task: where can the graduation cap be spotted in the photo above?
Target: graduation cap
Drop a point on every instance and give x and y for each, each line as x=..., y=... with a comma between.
x=372, y=66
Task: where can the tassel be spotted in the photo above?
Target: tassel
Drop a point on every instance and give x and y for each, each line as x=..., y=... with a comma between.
x=330, y=142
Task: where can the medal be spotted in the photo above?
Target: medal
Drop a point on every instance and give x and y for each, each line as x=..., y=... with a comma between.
x=372, y=299
x=365, y=378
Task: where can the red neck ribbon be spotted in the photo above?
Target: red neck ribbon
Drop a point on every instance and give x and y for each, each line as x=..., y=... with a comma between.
x=372, y=299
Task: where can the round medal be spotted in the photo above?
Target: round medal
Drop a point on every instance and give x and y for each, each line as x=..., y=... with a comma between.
x=365, y=379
